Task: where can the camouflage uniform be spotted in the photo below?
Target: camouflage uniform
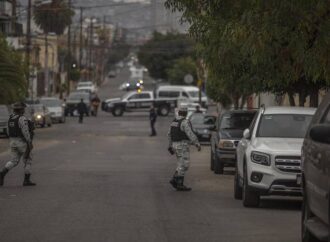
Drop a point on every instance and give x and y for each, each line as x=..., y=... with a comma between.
x=20, y=133
x=18, y=146
x=181, y=149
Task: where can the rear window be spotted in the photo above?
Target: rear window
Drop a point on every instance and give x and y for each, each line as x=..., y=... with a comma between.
x=239, y=121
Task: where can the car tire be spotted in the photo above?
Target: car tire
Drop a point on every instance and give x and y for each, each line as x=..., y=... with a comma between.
x=238, y=190
x=163, y=110
x=212, y=160
x=218, y=165
x=306, y=235
x=49, y=124
x=250, y=198
x=118, y=111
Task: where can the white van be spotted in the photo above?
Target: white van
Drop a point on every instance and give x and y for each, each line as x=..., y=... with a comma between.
x=181, y=93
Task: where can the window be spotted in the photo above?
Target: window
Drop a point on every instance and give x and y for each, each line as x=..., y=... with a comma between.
x=284, y=125
x=238, y=121
x=144, y=96
x=135, y=96
x=169, y=94
x=184, y=94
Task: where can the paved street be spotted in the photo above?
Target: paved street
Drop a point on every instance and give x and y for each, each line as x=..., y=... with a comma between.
x=107, y=180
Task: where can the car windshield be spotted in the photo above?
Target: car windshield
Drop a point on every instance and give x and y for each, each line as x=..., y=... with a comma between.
x=38, y=108
x=199, y=119
x=236, y=120
x=87, y=84
x=195, y=94
x=284, y=125
x=78, y=96
x=3, y=111
x=51, y=102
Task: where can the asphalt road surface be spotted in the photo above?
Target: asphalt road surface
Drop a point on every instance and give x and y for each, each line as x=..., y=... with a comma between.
x=107, y=180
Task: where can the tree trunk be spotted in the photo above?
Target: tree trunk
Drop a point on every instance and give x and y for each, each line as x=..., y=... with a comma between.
x=291, y=99
x=314, y=97
x=302, y=98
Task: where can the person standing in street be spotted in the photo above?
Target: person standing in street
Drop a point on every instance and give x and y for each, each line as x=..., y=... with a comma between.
x=180, y=137
x=82, y=109
x=20, y=133
x=153, y=119
x=95, y=103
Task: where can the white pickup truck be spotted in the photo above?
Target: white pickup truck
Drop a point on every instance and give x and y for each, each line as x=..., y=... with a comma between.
x=138, y=102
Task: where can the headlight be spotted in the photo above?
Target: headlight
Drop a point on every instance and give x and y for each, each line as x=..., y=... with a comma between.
x=260, y=158
x=39, y=116
x=226, y=144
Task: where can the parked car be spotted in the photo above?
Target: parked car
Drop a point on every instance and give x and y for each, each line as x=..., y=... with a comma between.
x=86, y=85
x=55, y=107
x=73, y=99
x=132, y=85
x=112, y=73
x=4, y=116
x=316, y=176
x=269, y=155
x=41, y=115
x=202, y=125
x=229, y=131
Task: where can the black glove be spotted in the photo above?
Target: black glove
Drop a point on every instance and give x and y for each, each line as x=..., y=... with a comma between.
x=170, y=150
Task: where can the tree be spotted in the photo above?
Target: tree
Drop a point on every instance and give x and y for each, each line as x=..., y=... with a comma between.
x=12, y=74
x=118, y=52
x=180, y=68
x=277, y=46
x=53, y=17
x=160, y=53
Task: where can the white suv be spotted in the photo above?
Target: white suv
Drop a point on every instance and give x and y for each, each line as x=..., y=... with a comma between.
x=269, y=155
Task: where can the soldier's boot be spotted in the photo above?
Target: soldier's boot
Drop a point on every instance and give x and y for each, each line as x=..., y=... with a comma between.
x=2, y=175
x=180, y=186
x=27, y=181
x=173, y=181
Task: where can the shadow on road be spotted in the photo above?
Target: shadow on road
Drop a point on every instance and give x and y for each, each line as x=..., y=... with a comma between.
x=281, y=203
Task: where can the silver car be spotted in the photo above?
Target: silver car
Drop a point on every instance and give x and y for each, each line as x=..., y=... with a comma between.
x=55, y=107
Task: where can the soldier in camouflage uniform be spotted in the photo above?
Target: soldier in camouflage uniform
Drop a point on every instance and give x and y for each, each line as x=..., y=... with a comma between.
x=180, y=137
x=20, y=132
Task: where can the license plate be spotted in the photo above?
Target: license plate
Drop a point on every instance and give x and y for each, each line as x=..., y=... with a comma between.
x=299, y=179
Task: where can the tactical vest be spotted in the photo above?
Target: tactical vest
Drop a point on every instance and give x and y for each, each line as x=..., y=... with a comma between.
x=177, y=134
x=14, y=130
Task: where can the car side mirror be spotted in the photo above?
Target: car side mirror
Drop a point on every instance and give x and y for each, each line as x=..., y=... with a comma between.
x=246, y=134
x=320, y=133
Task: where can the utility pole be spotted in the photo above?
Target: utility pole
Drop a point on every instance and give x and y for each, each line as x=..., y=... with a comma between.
x=28, y=45
x=81, y=38
x=47, y=91
x=14, y=18
x=69, y=55
x=91, y=42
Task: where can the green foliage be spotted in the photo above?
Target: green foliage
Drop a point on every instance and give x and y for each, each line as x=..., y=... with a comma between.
x=53, y=17
x=180, y=68
x=75, y=74
x=161, y=52
x=118, y=52
x=12, y=76
x=255, y=45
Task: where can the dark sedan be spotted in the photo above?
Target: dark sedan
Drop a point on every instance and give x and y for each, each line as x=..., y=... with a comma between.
x=230, y=127
x=202, y=125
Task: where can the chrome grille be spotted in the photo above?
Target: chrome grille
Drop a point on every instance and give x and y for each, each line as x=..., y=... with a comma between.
x=290, y=164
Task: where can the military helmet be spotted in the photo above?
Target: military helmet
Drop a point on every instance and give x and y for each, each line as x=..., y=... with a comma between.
x=183, y=111
x=18, y=106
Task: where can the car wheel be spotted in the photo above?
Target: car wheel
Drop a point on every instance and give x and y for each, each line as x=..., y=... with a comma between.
x=306, y=235
x=238, y=191
x=118, y=111
x=49, y=124
x=164, y=110
x=212, y=160
x=250, y=198
x=218, y=165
